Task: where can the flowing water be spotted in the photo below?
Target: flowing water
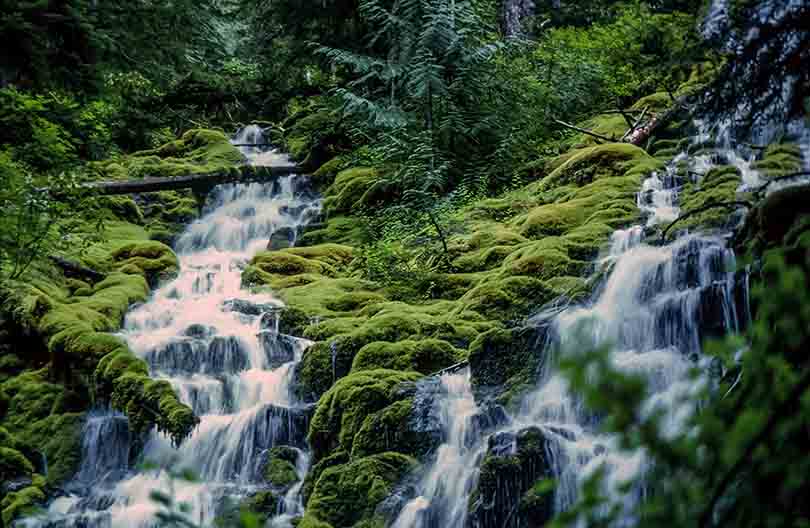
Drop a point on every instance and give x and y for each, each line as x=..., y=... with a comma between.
x=220, y=348
x=654, y=309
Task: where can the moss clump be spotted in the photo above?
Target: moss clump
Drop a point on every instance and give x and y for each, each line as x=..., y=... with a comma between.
x=426, y=356
x=350, y=190
x=196, y=152
x=503, y=363
x=338, y=229
x=152, y=259
x=123, y=380
x=279, y=470
x=326, y=173
x=21, y=503
x=44, y=419
x=13, y=464
x=779, y=160
x=342, y=410
x=512, y=466
x=348, y=494
x=392, y=428
x=260, y=506
x=592, y=163
x=507, y=299
x=719, y=185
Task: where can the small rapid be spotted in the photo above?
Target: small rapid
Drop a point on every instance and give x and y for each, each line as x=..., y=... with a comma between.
x=220, y=348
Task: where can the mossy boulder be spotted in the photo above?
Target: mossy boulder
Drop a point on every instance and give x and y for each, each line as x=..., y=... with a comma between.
x=279, y=470
x=44, y=419
x=342, y=410
x=19, y=504
x=504, y=363
x=425, y=356
x=352, y=189
x=197, y=151
x=348, y=494
x=592, y=163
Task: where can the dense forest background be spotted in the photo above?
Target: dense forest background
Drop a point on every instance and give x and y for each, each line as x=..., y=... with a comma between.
x=451, y=103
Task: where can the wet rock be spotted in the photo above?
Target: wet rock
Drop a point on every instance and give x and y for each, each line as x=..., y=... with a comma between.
x=249, y=308
x=278, y=348
x=199, y=331
x=189, y=356
x=511, y=490
x=16, y=484
x=281, y=238
x=505, y=363
x=294, y=211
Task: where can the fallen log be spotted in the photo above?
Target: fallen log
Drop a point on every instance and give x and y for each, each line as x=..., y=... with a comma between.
x=76, y=270
x=205, y=181
x=643, y=133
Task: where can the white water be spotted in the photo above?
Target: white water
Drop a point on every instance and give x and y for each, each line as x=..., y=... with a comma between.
x=219, y=347
x=443, y=488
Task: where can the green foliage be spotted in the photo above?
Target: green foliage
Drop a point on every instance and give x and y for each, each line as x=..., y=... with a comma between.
x=34, y=223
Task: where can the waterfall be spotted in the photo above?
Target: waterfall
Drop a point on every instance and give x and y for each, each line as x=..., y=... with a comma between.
x=655, y=308
x=220, y=348
x=445, y=486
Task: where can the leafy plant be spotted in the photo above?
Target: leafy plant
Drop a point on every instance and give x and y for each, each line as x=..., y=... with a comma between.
x=739, y=461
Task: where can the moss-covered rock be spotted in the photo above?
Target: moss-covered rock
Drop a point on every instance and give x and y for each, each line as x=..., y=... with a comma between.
x=348, y=494
x=352, y=189
x=22, y=503
x=198, y=151
x=592, y=163
x=425, y=356
x=342, y=410
x=279, y=469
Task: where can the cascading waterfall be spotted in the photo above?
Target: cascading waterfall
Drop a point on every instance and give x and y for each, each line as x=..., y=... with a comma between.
x=445, y=485
x=654, y=309
x=220, y=348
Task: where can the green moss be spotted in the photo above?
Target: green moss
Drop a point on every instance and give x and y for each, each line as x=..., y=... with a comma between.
x=260, y=506
x=279, y=469
x=21, y=503
x=508, y=298
x=326, y=173
x=779, y=159
x=348, y=494
x=719, y=185
x=426, y=356
x=349, y=189
x=391, y=428
x=589, y=164
x=196, y=152
x=338, y=229
x=342, y=410
x=656, y=102
x=154, y=260
x=13, y=464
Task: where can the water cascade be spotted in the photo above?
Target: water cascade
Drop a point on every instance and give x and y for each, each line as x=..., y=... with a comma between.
x=654, y=308
x=220, y=348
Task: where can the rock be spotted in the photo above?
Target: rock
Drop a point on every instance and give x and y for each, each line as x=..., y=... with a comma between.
x=281, y=238
x=278, y=348
x=512, y=479
x=249, y=308
x=199, y=331
x=12, y=485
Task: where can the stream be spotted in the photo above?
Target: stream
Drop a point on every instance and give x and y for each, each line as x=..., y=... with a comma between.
x=220, y=348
